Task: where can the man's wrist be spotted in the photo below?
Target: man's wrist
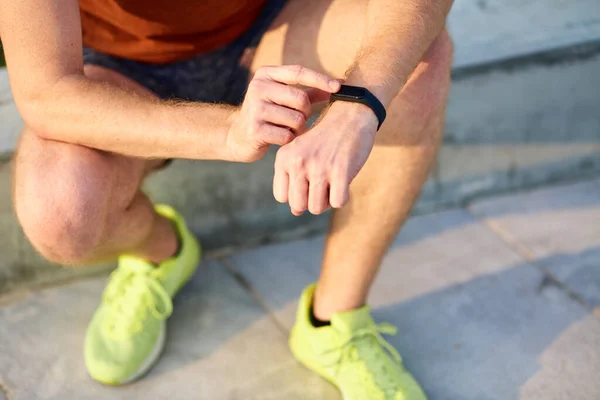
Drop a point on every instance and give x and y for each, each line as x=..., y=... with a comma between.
x=378, y=84
x=228, y=148
x=207, y=128
x=359, y=113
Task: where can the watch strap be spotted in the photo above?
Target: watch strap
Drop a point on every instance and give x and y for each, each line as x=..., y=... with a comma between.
x=357, y=94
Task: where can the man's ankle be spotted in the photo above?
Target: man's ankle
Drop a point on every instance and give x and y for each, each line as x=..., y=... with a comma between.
x=317, y=322
x=163, y=243
x=325, y=305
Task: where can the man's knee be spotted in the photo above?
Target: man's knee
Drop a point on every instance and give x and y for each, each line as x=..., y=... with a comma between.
x=61, y=203
x=418, y=110
x=429, y=85
x=441, y=51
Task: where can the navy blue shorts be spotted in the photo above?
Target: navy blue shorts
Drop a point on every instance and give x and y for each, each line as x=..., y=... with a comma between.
x=215, y=77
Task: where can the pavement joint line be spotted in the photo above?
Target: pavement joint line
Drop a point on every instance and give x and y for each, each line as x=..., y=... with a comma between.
x=524, y=252
x=551, y=279
x=242, y=281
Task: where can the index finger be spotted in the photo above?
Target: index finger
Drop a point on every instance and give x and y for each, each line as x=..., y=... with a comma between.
x=299, y=75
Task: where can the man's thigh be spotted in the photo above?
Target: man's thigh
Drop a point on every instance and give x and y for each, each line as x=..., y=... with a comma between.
x=324, y=35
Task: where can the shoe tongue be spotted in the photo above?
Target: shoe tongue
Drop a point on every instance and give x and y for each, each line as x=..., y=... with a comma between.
x=135, y=264
x=350, y=321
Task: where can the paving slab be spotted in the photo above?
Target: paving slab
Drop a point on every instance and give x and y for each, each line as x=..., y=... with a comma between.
x=429, y=254
x=482, y=339
x=474, y=317
x=558, y=227
x=221, y=345
x=569, y=366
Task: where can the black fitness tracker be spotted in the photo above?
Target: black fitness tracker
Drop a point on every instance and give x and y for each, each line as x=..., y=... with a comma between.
x=356, y=94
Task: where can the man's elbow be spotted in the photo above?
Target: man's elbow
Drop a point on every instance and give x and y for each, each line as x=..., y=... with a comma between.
x=42, y=110
x=35, y=118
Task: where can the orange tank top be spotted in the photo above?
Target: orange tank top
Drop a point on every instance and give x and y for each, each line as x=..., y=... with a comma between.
x=163, y=31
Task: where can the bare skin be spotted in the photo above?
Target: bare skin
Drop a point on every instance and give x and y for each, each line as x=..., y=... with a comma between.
x=97, y=193
x=80, y=120
x=405, y=147
x=87, y=187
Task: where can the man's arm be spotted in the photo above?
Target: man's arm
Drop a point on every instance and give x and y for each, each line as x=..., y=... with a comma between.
x=42, y=41
x=333, y=152
x=398, y=34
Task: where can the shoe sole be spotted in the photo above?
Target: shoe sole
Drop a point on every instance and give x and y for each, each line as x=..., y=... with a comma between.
x=317, y=370
x=152, y=358
x=323, y=376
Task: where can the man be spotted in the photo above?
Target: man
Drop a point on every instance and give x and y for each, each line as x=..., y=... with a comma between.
x=145, y=91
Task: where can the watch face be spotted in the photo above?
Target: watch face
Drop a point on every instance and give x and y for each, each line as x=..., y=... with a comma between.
x=352, y=91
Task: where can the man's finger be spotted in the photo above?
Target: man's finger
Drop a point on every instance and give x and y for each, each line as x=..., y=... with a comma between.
x=298, y=195
x=284, y=116
x=299, y=75
x=280, y=185
x=291, y=97
x=339, y=193
x=273, y=134
x=318, y=196
x=317, y=95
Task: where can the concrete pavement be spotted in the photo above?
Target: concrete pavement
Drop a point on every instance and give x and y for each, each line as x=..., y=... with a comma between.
x=498, y=300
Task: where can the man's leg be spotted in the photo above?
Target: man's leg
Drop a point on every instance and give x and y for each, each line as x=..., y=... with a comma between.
x=386, y=188
x=325, y=35
x=79, y=206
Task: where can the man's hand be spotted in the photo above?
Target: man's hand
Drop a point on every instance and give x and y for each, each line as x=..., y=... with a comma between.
x=274, y=111
x=314, y=172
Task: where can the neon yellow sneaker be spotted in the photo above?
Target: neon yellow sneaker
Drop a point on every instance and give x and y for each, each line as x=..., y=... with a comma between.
x=127, y=333
x=352, y=354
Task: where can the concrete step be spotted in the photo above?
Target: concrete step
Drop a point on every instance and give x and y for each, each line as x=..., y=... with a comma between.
x=487, y=31
x=523, y=111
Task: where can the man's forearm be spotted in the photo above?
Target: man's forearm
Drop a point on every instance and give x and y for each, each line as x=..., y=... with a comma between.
x=398, y=34
x=106, y=117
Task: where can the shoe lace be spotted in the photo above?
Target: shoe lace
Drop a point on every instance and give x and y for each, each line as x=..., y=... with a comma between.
x=131, y=295
x=364, y=344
